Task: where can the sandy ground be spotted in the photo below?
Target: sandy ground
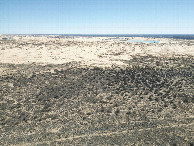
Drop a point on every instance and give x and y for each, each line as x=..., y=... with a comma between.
x=95, y=51
x=96, y=91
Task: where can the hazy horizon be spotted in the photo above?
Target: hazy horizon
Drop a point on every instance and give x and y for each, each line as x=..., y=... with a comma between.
x=86, y=34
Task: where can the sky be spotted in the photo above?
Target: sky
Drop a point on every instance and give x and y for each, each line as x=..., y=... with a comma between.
x=96, y=16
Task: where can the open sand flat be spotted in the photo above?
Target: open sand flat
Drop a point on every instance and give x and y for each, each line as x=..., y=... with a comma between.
x=89, y=51
x=96, y=91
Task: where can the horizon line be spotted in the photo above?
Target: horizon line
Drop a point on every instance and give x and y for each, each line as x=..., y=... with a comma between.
x=96, y=34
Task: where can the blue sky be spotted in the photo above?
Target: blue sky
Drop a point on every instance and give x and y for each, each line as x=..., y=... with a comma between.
x=96, y=16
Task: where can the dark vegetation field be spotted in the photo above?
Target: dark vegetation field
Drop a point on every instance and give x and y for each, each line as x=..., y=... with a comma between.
x=150, y=102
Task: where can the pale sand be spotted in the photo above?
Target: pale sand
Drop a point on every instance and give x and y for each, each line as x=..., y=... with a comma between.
x=89, y=51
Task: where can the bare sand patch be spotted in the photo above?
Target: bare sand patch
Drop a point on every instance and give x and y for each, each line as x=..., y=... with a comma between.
x=94, y=51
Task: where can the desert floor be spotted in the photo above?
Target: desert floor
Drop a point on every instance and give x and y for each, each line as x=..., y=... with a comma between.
x=92, y=91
